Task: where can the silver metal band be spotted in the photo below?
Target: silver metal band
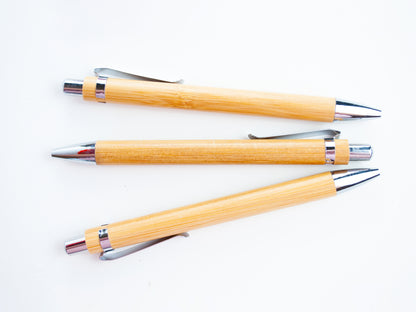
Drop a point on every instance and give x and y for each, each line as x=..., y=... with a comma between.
x=104, y=240
x=330, y=151
x=100, y=89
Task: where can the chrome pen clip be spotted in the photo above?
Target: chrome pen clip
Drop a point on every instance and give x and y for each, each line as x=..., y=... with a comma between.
x=104, y=73
x=113, y=73
x=73, y=86
x=327, y=134
x=113, y=254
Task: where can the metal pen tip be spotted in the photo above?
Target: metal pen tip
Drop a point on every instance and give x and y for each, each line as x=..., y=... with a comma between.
x=345, y=111
x=84, y=152
x=344, y=179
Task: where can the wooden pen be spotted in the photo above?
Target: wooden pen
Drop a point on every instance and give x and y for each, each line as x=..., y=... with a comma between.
x=119, y=87
x=159, y=226
x=271, y=150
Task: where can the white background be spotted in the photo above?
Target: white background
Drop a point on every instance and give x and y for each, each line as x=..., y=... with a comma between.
x=352, y=252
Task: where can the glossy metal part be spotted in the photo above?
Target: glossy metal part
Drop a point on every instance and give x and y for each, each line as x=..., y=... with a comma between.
x=113, y=254
x=73, y=86
x=320, y=134
x=345, y=110
x=345, y=179
x=359, y=152
x=84, y=152
x=100, y=89
x=329, y=151
x=113, y=73
x=104, y=73
x=75, y=245
x=104, y=240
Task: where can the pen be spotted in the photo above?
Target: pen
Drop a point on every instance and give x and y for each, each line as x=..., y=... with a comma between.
x=162, y=225
x=283, y=149
x=115, y=86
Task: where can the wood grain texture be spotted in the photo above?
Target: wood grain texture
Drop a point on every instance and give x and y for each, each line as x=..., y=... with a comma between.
x=217, y=152
x=88, y=88
x=342, y=152
x=215, y=211
x=214, y=99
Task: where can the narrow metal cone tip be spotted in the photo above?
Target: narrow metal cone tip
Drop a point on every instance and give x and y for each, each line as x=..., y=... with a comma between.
x=344, y=179
x=84, y=152
x=346, y=110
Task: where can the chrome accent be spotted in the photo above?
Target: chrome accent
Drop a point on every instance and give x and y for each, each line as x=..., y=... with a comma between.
x=319, y=134
x=112, y=254
x=73, y=86
x=360, y=152
x=357, y=151
x=344, y=179
x=329, y=151
x=113, y=73
x=75, y=245
x=345, y=110
x=84, y=152
x=100, y=89
x=104, y=239
x=104, y=73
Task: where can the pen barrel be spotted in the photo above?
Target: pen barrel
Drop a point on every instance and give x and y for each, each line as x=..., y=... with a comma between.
x=218, y=152
x=215, y=211
x=212, y=99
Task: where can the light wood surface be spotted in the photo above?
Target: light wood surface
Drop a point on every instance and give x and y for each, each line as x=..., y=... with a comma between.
x=215, y=211
x=213, y=99
x=218, y=152
x=342, y=152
